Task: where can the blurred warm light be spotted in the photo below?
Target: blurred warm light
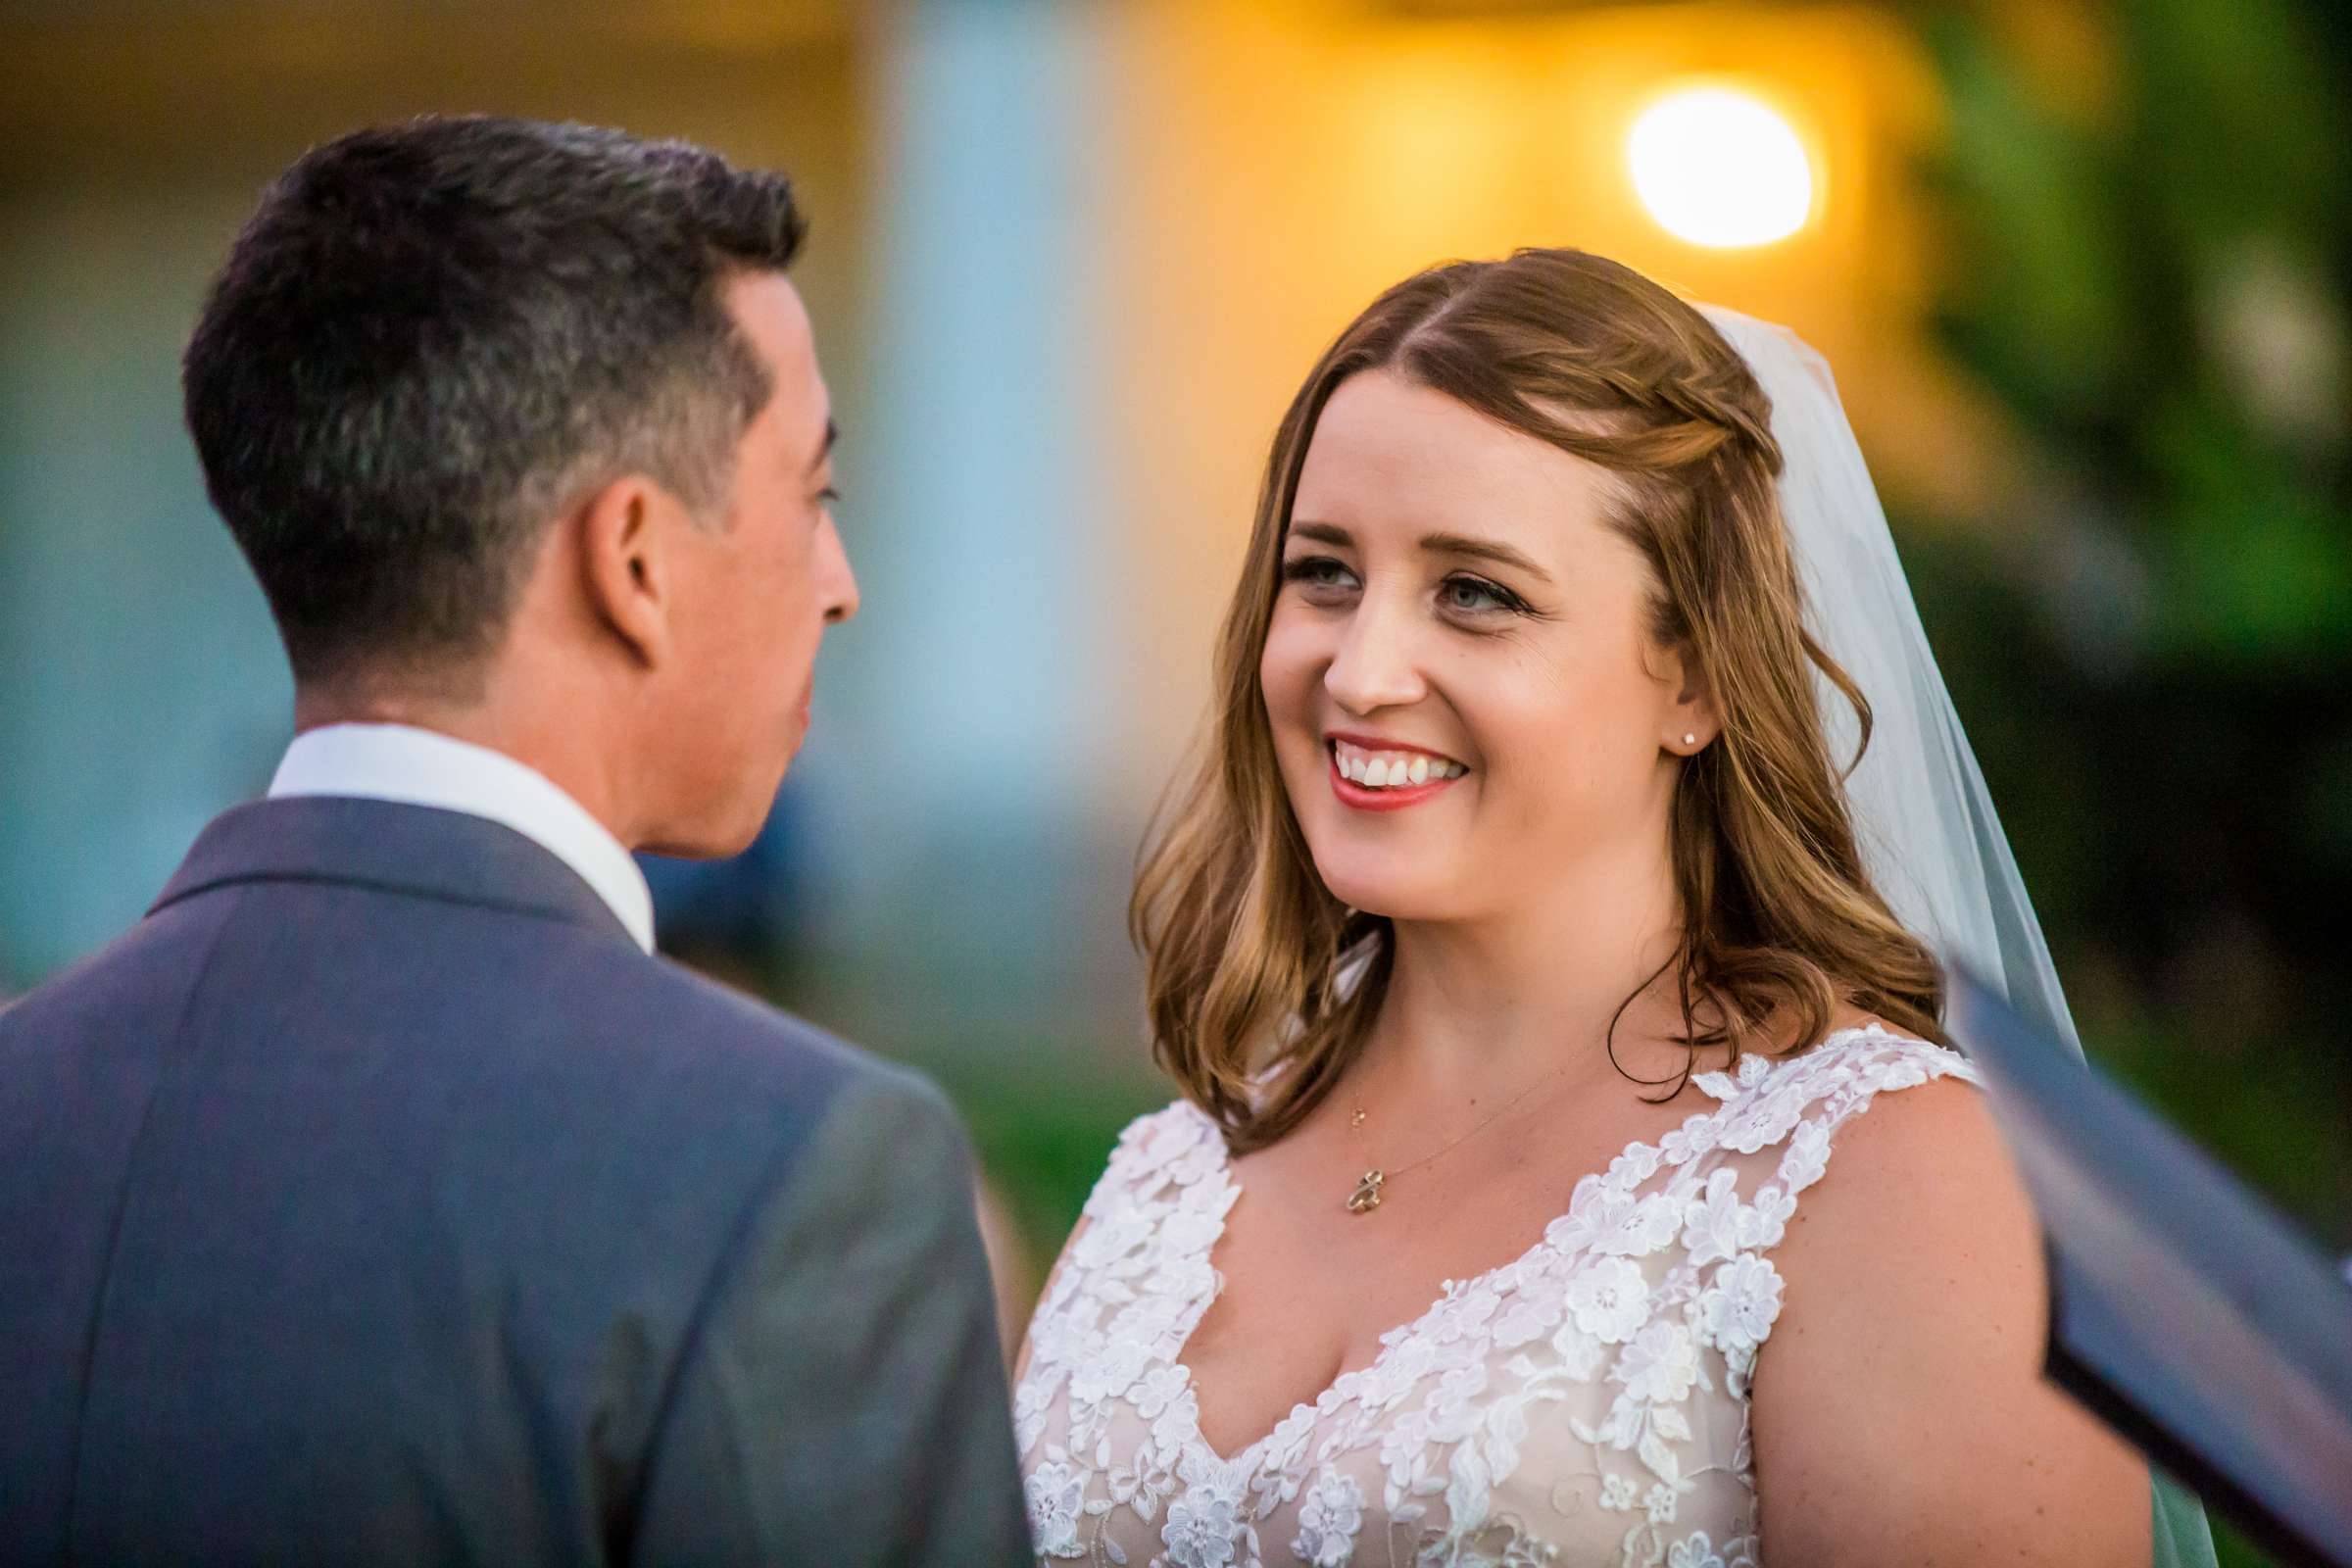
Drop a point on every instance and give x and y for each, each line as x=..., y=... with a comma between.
x=1718, y=167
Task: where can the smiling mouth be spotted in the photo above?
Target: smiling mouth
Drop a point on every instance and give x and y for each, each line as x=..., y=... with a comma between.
x=1381, y=779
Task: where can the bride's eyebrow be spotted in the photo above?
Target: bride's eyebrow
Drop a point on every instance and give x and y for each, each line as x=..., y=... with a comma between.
x=1456, y=544
x=1323, y=533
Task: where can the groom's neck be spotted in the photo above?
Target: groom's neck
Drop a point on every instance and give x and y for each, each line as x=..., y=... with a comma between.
x=565, y=741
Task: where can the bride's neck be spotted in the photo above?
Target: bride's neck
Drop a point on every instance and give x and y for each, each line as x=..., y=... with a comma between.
x=1474, y=1005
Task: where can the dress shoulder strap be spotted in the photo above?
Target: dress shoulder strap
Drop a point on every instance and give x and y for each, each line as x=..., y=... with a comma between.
x=1176, y=1145
x=1797, y=1104
x=1767, y=1097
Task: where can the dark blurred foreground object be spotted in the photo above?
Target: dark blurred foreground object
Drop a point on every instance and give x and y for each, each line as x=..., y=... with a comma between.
x=2184, y=1311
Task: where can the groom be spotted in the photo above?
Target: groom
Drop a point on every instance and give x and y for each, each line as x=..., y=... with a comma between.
x=379, y=1198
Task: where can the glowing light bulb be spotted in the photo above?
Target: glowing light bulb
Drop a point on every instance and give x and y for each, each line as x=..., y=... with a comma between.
x=1718, y=168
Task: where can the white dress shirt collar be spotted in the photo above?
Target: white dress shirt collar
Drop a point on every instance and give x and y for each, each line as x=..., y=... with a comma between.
x=422, y=768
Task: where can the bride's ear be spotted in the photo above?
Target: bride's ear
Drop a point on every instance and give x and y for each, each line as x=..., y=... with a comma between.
x=1692, y=720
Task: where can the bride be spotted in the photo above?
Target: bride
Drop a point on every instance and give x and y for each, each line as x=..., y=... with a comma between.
x=1570, y=1167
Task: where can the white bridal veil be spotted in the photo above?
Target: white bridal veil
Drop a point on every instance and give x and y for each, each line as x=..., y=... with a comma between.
x=1928, y=834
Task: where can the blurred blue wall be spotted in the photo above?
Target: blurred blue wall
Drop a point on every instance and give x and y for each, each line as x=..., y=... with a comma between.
x=961, y=746
x=140, y=681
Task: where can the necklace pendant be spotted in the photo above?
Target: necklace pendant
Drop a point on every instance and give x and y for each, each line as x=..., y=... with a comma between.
x=1366, y=1196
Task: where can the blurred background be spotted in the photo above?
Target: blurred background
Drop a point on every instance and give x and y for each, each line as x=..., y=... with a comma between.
x=2083, y=268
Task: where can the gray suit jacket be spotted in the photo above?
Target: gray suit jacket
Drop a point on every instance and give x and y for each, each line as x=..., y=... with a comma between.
x=375, y=1200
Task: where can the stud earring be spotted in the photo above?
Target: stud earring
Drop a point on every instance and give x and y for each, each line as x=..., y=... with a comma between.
x=1689, y=739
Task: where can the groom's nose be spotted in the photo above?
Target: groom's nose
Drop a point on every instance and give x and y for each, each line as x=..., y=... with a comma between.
x=841, y=583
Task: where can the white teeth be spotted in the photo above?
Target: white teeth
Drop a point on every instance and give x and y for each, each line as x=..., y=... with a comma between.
x=1391, y=769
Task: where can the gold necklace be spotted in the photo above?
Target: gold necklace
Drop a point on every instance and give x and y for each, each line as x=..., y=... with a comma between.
x=1366, y=1196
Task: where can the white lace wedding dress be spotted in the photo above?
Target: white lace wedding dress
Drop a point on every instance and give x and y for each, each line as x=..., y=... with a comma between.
x=1585, y=1404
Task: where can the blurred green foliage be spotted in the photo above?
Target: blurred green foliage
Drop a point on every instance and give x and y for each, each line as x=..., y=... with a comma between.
x=2152, y=658
x=1044, y=1131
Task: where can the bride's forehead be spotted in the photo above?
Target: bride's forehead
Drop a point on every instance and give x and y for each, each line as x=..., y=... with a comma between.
x=1380, y=411
x=1389, y=455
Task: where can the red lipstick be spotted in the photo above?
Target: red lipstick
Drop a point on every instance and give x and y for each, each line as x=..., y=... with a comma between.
x=1395, y=798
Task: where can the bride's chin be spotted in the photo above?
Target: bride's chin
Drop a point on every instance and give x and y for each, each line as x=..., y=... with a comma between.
x=1366, y=892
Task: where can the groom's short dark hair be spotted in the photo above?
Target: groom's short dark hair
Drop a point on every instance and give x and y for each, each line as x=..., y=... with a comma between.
x=431, y=333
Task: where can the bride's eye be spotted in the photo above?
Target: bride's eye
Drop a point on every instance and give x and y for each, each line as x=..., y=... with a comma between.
x=1320, y=576
x=1475, y=596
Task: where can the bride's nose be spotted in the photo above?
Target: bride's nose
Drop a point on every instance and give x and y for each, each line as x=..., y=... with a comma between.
x=1374, y=665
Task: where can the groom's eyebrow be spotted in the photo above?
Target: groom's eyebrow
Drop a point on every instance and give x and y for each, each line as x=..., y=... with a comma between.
x=824, y=447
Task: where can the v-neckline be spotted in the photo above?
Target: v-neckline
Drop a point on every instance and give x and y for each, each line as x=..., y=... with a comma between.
x=1245, y=1459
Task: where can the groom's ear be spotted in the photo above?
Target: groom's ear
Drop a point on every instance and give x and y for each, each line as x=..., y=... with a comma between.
x=626, y=532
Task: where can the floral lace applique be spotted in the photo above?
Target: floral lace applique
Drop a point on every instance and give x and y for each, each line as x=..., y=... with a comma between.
x=1586, y=1402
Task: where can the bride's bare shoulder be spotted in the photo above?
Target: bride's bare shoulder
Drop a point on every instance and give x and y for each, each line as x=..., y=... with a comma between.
x=1925, y=1152
x=1925, y=1149
x=1900, y=1398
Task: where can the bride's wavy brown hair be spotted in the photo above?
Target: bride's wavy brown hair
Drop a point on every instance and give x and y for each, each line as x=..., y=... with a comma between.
x=1243, y=943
